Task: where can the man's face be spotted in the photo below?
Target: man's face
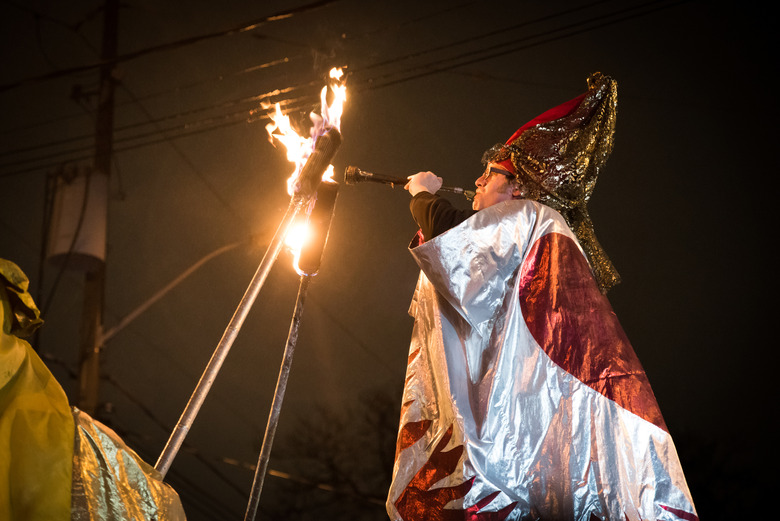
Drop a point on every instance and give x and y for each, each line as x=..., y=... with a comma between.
x=493, y=187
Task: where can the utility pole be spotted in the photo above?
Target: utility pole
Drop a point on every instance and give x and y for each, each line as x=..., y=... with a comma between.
x=94, y=280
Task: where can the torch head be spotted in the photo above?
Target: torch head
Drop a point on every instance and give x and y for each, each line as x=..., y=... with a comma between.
x=324, y=149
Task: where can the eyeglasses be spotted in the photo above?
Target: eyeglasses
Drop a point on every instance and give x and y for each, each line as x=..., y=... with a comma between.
x=491, y=171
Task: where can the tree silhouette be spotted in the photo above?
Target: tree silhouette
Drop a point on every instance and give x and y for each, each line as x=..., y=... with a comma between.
x=340, y=462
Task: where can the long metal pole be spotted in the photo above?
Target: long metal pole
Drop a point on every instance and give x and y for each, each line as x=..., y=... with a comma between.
x=220, y=353
x=310, y=177
x=276, y=405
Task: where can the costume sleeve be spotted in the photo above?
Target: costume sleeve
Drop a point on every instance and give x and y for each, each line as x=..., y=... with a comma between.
x=435, y=215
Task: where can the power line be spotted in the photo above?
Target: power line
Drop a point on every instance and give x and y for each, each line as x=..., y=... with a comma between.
x=390, y=78
x=174, y=145
x=65, y=153
x=515, y=45
x=76, y=154
x=221, y=77
x=193, y=495
x=435, y=14
x=136, y=99
x=490, y=34
x=196, y=496
x=179, y=130
x=245, y=27
x=208, y=462
x=167, y=428
x=267, y=97
x=139, y=141
x=377, y=64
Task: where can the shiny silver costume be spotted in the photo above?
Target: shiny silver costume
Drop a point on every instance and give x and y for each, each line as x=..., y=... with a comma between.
x=523, y=397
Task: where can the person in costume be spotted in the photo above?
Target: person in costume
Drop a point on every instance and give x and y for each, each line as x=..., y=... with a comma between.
x=56, y=462
x=523, y=397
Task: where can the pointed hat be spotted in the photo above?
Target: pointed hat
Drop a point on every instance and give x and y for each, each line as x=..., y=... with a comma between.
x=557, y=157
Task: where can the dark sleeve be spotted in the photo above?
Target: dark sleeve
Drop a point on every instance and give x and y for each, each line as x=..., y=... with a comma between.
x=435, y=215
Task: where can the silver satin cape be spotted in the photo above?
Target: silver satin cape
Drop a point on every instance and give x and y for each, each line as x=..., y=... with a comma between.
x=523, y=397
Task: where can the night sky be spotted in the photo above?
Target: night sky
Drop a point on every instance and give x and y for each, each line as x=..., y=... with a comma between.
x=682, y=208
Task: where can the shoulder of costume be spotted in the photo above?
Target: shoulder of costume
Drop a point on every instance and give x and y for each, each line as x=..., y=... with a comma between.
x=540, y=217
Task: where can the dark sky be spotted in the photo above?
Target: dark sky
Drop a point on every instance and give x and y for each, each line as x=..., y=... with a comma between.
x=681, y=207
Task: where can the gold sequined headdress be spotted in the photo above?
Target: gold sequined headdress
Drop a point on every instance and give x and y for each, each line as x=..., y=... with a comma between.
x=557, y=157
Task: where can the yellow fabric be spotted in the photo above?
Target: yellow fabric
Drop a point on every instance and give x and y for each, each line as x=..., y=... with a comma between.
x=26, y=317
x=36, y=432
x=40, y=478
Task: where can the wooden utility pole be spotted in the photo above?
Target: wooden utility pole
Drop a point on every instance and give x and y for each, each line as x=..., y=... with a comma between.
x=94, y=280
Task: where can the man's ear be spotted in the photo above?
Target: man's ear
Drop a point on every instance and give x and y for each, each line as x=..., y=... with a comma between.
x=517, y=192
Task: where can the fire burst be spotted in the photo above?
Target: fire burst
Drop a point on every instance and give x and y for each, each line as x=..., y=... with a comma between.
x=299, y=148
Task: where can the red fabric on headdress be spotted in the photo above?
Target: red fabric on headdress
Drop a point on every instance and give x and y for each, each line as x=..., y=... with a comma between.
x=562, y=110
x=506, y=164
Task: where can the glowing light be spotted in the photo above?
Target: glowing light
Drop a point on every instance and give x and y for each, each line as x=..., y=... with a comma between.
x=300, y=148
x=327, y=176
x=298, y=236
x=296, y=239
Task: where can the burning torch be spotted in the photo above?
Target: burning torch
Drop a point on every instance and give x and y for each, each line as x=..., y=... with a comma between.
x=353, y=175
x=304, y=188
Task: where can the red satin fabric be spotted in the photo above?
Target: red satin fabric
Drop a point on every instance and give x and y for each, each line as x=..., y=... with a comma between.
x=575, y=325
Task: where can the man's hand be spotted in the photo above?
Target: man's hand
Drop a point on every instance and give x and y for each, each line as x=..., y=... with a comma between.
x=423, y=182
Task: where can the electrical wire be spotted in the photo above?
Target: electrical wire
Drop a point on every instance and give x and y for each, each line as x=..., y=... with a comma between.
x=167, y=428
x=375, y=82
x=150, y=96
x=209, y=461
x=179, y=131
x=178, y=44
x=368, y=67
x=190, y=163
x=515, y=45
x=265, y=98
x=490, y=34
x=201, y=499
x=221, y=77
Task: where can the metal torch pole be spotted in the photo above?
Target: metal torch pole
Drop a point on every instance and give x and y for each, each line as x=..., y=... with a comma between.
x=310, y=176
x=308, y=264
x=221, y=352
x=276, y=405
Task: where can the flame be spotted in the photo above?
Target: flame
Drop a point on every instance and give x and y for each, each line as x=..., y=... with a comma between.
x=300, y=148
x=296, y=239
x=327, y=175
x=298, y=236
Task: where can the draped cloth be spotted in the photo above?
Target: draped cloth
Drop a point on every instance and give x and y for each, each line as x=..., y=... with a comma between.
x=56, y=462
x=523, y=397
